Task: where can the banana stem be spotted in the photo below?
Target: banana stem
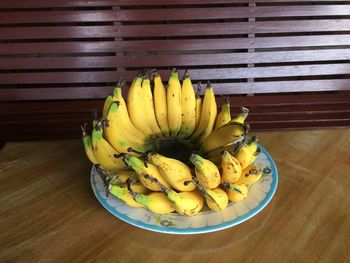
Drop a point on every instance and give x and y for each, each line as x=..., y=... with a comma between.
x=103, y=176
x=154, y=180
x=129, y=182
x=202, y=189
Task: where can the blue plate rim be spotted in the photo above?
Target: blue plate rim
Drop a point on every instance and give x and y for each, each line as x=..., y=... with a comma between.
x=202, y=230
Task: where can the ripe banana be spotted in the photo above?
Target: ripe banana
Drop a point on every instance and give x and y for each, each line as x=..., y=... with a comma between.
x=88, y=145
x=121, y=177
x=188, y=107
x=123, y=194
x=250, y=175
x=149, y=112
x=135, y=105
x=236, y=192
x=107, y=103
x=105, y=154
x=123, y=118
x=143, y=169
x=176, y=173
x=185, y=203
x=160, y=104
x=248, y=153
x=231, y=169
x=241, y=117
x=198, y=106
x=157, y=202
x=224, y=116
x=223, y=136
x=216, y=199
x=174, y=103
x=208, y=116
x=207, y=173
x=118, y=137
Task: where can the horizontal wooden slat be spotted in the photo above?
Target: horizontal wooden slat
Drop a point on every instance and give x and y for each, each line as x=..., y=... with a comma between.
x=55, y=3
x=206, y=29
x=232, y=43
x=174, y=45
x=57, y=32
x=310, y=102
x=172, y=60
x=220, y=88
x=196, y=74
x=172, y=14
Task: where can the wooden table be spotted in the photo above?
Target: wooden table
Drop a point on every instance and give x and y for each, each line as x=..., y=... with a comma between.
x=49, y=213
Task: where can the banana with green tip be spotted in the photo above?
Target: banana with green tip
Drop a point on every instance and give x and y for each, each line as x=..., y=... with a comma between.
x=185, y=203
x=160, y=104
x=188, y=107
x=176, y=173
x=117, y=136
x=142, y=169
x=224, y=116
x=207, y=173
x=123, y=194
x=174, y=103
x=104, y=152
x=231, y=169
x=157, y=202
x=88, y=145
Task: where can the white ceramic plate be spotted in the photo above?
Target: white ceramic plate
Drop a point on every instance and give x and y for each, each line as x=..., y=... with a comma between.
x=259, y=196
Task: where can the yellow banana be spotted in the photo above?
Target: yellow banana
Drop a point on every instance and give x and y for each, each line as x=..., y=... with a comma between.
x=248, y=152
x=250, y=175
x=216, y=198
x=224, y=116
x=88, y=145
x=107, y=103
x=105, y=154
x=188, y=107
x=123, y=117
x=117, y=137
x=207, y=173
x=143, y=169
x=223, y=136
x=176, y=173
x=198, y=107
x=236, y=192
x=174, y=103
x=123, y=194
x=241, y=117
x=149, y=112
x=121, y=177
x=185, y=203
x=160, y=104
x=135, y=105
x=231, y=169
x=157, y=202
x=208, y=116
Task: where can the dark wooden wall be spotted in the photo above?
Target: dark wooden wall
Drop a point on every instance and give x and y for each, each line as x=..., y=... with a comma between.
x=288, y=61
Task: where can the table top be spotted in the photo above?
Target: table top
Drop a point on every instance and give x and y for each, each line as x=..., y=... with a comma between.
x=49, y=212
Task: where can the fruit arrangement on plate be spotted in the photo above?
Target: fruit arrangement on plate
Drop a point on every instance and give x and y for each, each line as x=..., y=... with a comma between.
x=167, y=149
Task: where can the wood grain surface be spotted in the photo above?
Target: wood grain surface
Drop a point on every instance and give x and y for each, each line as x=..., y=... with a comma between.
x=49, y=213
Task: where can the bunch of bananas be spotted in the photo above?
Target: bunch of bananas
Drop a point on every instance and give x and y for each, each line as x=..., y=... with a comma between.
x=167, y=149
